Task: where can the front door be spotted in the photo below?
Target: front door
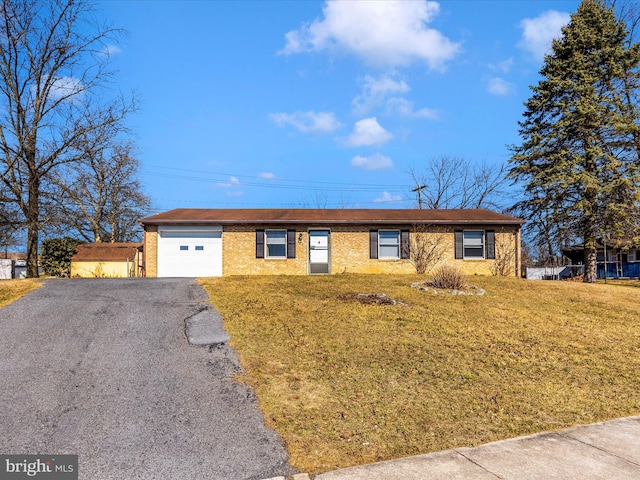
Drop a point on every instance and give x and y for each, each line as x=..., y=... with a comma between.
x=319, y=251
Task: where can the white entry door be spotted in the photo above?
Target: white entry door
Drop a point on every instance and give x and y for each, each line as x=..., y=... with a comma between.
x=319, y=251
x=190, y=252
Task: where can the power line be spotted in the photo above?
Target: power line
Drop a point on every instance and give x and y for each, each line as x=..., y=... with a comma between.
x=276, y=183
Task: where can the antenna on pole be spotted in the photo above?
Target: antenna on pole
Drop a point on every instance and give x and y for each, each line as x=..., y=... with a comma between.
x=419, y=190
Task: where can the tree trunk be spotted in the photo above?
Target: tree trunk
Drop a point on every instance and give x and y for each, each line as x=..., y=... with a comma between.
x=590, y=261
x=32, y=216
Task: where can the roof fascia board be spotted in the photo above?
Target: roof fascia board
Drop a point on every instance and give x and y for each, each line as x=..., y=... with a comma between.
x=195, y=223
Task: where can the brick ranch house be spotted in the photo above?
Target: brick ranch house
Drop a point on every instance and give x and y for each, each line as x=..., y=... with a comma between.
x=216, y=242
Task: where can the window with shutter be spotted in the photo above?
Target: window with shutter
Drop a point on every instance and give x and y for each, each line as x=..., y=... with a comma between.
x=459, y=244
x=388, y=244
x=373, y=244
x=291, y=244
x=275, y=243
x=473, y=244
x=405, y=252
x=259, y=243
x=490, y=236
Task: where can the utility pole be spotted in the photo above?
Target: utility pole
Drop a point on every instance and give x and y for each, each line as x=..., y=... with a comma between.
x=418, y=189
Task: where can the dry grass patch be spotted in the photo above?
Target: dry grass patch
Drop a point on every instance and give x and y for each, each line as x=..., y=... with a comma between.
x=622, y=283
x=11, y=290
x=347, y=383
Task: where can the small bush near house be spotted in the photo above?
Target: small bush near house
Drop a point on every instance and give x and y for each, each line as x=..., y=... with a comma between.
x=427, y=247
x=504, y=263
x=56, y=256
x=449, y=277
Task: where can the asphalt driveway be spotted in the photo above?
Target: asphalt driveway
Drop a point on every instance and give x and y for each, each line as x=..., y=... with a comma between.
x=103, y=369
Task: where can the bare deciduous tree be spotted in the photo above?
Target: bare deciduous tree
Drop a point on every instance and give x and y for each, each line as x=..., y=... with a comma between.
x=53, y=67
x=454, y=182
x=629, y=12
x=9, y=220
x=100, y=198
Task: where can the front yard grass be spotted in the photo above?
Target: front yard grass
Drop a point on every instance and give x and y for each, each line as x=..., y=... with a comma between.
x=622, y=283
x=346, y=383
x=11, y=290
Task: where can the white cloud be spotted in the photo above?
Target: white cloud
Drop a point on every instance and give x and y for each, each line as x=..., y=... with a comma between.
x=234, y=194
x=499, y=86
x=375, y=90
x=111, y=50
x=377, y=161
x=382, y=33
x=69, y=87
x=539, y=32
x=503, y=67
x=233, y=181
x=386, y=197
x=323, y=122
x=368, y=132
x=267, y=175
x=404, y=108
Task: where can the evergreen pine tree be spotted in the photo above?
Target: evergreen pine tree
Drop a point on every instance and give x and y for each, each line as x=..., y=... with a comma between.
x=579, y=157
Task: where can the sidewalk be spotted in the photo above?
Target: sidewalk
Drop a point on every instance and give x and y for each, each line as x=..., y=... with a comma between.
x=609, y=450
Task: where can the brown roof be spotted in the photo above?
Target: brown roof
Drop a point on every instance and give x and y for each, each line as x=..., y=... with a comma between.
x=199, y=216
x=105, y=252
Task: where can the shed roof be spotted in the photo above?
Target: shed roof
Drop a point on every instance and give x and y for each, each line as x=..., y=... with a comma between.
x=105, y=252
x=204, y=216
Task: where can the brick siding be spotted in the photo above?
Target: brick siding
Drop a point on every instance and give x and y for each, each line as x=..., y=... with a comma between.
x=349, y=250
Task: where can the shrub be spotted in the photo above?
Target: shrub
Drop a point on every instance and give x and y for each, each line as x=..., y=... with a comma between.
x=505, y=261
x=426, y=248
x=56, y=256
x=449, y=276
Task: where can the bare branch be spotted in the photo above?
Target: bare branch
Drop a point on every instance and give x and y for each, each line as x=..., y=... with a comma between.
x=454, y=182
x=52, y=84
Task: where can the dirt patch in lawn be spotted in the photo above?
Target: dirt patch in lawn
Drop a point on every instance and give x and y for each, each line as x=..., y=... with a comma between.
x=370, y=298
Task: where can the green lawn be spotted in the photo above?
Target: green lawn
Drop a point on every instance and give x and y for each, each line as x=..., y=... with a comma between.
x=346, y=383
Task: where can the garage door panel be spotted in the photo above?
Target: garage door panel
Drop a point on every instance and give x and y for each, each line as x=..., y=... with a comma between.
x=190, y=253
x=195, y=234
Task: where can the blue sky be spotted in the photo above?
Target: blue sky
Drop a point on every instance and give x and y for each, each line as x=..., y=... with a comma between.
x=249, y=104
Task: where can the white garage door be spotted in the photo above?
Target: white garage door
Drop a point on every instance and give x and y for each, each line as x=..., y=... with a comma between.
x=190, y=252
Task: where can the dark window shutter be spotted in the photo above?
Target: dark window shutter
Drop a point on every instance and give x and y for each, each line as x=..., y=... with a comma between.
x=373, y=243
x=404, y=244
x=459, y=244
x=490, y=239
x=291, y=244
x=259, y=243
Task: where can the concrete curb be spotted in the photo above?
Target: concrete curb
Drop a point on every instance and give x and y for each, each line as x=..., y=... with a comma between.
x=297, y=476
x=608, y=450
x=590, y=452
